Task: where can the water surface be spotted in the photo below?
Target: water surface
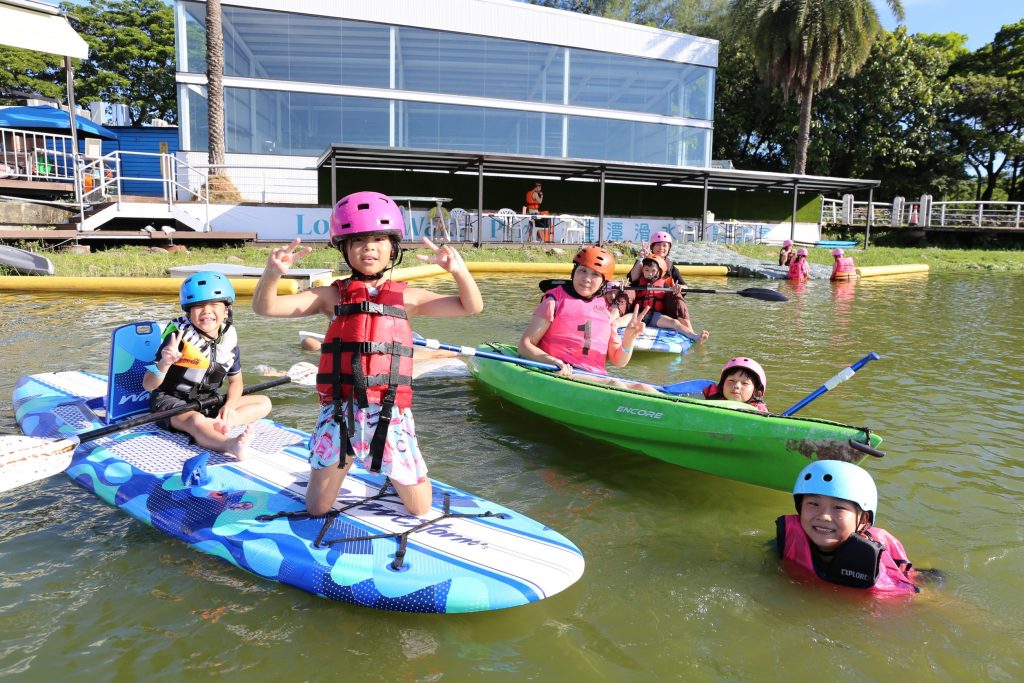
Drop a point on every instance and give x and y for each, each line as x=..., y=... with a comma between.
x=680, y=581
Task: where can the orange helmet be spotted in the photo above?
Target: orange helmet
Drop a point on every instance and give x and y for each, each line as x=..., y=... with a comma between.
x=597, y=259
x=660, y=262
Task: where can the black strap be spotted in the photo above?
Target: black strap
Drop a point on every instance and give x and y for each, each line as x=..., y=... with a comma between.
x=371, y=307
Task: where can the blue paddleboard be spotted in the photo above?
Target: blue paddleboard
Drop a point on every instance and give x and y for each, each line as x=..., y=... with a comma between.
x=467, y=554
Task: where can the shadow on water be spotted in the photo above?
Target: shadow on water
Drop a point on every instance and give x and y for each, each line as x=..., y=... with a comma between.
x=681, y=582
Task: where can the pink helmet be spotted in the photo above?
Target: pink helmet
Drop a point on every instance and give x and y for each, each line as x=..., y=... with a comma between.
x=661, y=236
x=837, y=252
x=747, y=364
x=364, y=213
x=787, y=243
x=801, y=252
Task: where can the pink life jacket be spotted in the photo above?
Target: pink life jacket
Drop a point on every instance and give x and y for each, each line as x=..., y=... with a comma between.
x=844, y=268
x=893, y=565
x=580, y=332
x=798, y=269
x=712, y=393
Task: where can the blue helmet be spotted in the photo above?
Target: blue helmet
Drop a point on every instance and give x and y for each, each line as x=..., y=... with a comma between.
x=840, y=480
x=206, y=286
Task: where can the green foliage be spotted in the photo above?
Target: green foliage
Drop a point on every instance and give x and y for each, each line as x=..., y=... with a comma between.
x=889, y=120
x=31, y=73
x=131, y=55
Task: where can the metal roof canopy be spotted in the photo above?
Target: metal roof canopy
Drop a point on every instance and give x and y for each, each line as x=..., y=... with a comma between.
x=394, y=159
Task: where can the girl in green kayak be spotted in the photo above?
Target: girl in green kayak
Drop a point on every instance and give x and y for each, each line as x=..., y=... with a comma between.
x=743, y=380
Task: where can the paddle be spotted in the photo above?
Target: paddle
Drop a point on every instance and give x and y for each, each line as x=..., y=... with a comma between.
x=759, y=293
x=24, y=459
x=692, y=386
x=842, y=376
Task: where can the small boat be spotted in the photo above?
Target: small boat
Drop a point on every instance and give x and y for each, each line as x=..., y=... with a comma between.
x=24, y=262
x=723, y=438
x=660, y=339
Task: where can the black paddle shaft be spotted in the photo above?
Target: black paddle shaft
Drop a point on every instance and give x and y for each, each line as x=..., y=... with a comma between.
x=759, y=293
x=198, y=404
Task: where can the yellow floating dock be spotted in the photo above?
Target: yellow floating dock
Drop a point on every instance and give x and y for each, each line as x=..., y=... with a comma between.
x=477, y=267
x=123, y=285
x=878, y=271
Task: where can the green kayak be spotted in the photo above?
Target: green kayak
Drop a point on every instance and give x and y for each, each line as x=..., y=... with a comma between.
x=709, y=436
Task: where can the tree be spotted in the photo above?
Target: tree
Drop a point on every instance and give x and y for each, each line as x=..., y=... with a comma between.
x=131, y=55
x=804, y=46
x=28, y=73
x=891, y=120
x=215, y=83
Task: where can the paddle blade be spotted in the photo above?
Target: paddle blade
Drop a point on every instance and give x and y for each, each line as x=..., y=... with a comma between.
x=763, y=294
x=546, y=285
x=303, y=373
x=24, y=459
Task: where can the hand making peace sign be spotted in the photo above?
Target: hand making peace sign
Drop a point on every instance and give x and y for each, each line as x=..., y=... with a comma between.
x=445, y=256
x=635, y=325
x=282, y=258
x=170, y=353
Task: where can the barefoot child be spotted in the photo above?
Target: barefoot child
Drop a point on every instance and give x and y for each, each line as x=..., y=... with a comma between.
x=199, y=350
x=743, y=380
x=832, y=536
x=668, y=310
x=364, y=381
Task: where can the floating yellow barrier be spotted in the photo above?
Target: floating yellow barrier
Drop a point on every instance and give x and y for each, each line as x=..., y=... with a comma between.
x=414, y=272
x=877, y=271
x=124, y=285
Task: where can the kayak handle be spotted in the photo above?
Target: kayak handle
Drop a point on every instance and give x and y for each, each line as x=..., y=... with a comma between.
x=864, y=448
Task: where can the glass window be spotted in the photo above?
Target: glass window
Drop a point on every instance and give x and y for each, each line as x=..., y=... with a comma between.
x=192, y=100
x=194, y=35
x=478, y=129
x=272, y=122
x=458, y=64
x=608, y=81
x=634, y=141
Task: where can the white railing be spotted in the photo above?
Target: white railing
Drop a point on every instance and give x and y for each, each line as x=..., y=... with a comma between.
x=263, y=184
x=31, y=155
x=975, y=215
x=959, y=214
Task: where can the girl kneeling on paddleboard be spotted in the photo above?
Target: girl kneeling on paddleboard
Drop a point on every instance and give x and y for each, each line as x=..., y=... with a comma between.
x=743, y=380
x=364, y=378
x=573, y=327
x=832, y=538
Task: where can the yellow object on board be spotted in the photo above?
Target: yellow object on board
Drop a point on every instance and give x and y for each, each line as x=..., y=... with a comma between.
x=877, y=271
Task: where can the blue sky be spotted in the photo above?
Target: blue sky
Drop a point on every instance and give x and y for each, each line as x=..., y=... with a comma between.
x=978, y=19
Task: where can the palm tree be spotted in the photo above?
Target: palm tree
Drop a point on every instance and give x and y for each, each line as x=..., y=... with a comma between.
x=804, y=46
x=218, y=184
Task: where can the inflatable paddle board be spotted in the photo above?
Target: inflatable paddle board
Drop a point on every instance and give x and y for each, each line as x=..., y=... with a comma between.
x=422, y=368
x=660, y=339
x=467, y=554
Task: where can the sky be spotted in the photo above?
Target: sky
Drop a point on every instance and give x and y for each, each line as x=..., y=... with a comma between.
x=978, y=19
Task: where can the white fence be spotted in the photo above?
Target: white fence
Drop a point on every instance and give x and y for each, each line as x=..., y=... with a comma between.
x=30, y=155
x=923, y=213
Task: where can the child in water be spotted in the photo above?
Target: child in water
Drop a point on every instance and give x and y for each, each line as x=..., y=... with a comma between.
x=199, y=350
x=832, y=535
x=843, y=268
x=743, y=380
x=799, y=269
x=364, y=381
x=786, y=253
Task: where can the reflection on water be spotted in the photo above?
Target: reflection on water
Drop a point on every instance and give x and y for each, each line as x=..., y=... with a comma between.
x=680, y=582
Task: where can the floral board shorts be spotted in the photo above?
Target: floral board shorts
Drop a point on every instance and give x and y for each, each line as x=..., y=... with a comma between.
x=402, y=461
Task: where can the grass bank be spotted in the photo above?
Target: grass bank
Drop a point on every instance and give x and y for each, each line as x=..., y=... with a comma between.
x=133, y=261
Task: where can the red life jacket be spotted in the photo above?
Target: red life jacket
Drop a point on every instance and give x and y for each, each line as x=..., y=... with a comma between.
x=531, y=203
x=366, y=355
x=712, y=393
x=656, y=300
x=892, y=564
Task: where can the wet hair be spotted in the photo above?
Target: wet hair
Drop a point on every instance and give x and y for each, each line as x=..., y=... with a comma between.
x=396, y=254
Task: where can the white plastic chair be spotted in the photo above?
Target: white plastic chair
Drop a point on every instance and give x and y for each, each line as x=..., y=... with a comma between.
x=459, y=223
x=689, y=229
x=573, y=228
x=509, y=218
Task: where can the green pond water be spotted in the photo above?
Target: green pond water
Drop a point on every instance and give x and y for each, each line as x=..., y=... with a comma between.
x=681, y=582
